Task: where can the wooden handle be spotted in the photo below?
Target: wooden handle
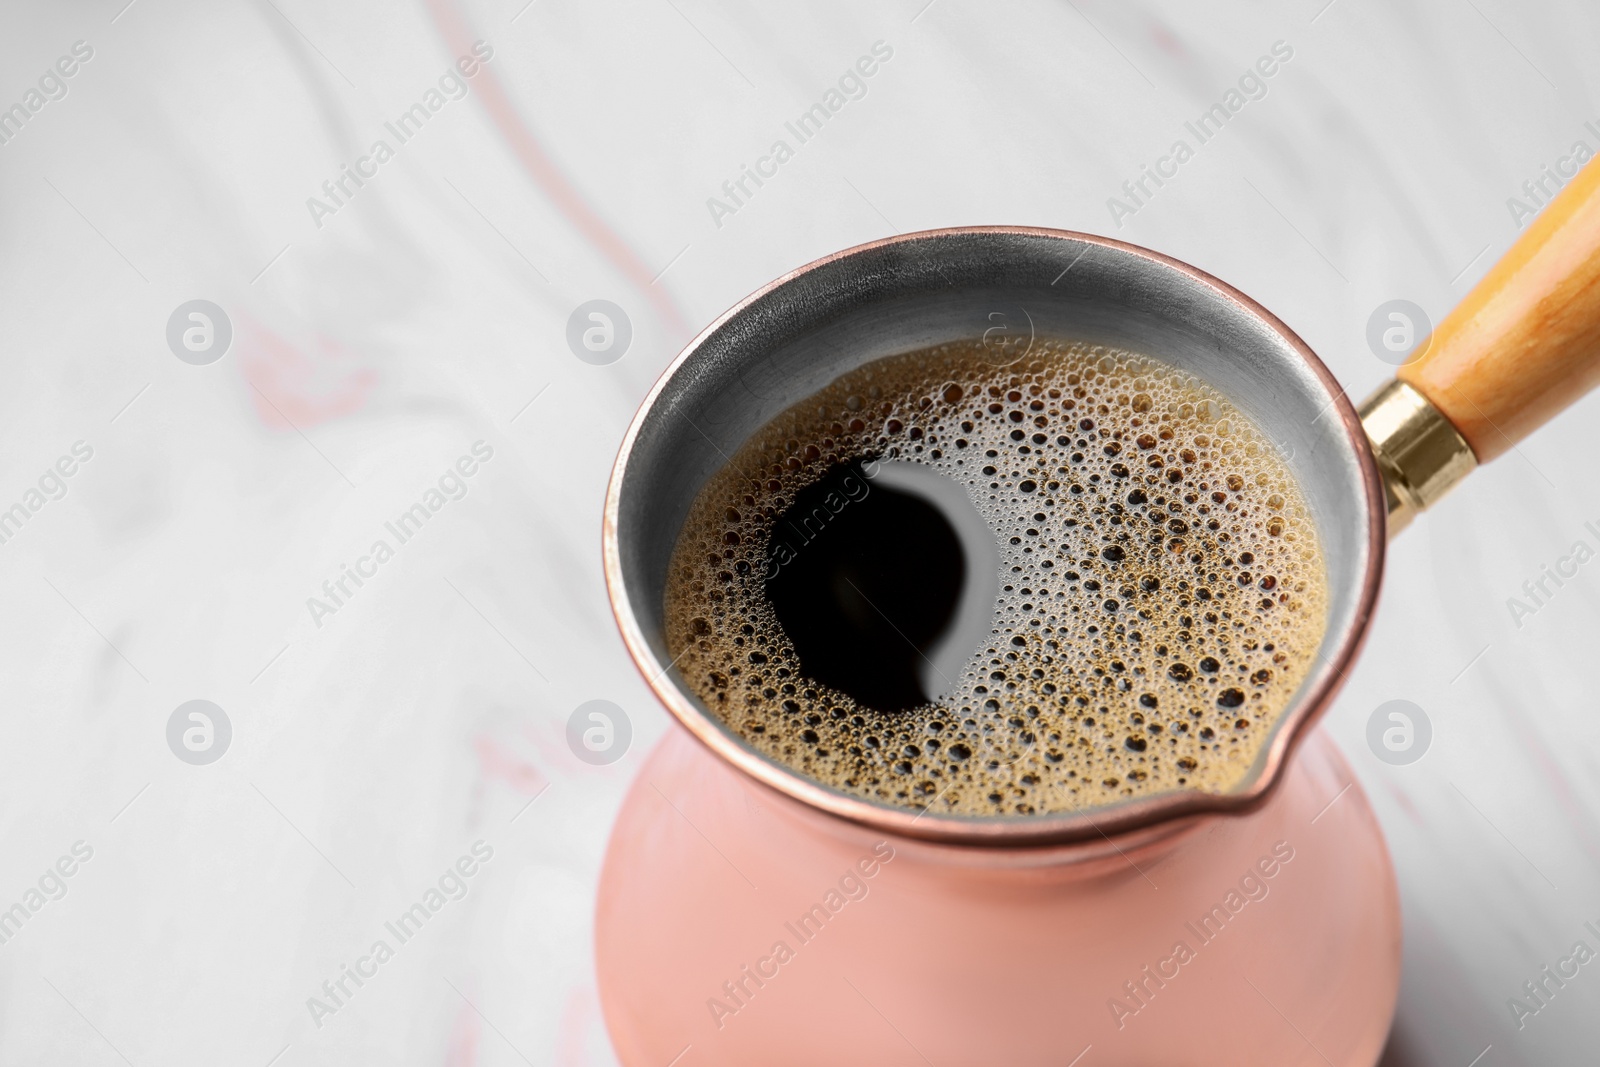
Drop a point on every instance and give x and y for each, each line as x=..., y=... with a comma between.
x=1525, y=342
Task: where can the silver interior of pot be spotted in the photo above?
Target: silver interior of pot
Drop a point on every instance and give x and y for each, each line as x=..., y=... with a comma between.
x=794, y=338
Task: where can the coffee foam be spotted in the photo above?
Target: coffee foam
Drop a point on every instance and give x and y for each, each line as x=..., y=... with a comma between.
x=1162, y=592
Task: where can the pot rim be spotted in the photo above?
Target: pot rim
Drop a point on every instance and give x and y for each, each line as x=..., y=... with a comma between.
x=1127, y=818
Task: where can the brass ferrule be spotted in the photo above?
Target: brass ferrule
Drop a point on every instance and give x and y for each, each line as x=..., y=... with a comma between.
x=1420, y=453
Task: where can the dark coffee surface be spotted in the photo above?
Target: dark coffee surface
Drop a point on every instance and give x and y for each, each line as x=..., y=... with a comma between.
x=877, y=584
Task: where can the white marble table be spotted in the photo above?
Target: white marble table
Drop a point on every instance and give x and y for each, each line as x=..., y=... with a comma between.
x=379, y=334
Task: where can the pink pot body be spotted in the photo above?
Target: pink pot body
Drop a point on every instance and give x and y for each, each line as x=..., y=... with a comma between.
x=736, y=926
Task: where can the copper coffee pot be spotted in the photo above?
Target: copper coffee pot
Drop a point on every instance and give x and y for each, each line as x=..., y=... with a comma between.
x=1023, y=940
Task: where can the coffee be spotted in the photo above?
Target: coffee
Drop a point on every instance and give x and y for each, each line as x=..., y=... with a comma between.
x=1150, y=593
